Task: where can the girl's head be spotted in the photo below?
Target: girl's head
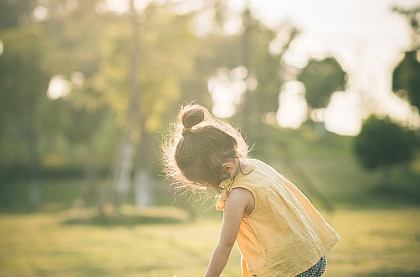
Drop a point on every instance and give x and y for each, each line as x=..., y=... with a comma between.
x=199, y=146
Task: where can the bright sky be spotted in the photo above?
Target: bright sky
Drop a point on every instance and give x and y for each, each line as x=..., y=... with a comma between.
x=365, y=36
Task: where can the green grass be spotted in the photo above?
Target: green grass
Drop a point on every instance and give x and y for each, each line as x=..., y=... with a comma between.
x=75, y=243
x=376, y=243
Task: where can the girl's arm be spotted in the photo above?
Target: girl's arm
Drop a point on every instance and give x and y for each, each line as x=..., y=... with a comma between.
x=236, y=203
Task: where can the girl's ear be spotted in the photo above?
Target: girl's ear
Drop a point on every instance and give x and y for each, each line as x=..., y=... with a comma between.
x=230, y=168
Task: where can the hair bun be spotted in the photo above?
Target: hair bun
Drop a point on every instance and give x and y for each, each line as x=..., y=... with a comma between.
x=192, y=116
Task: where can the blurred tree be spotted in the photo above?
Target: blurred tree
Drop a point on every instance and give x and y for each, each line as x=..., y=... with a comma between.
x=75, y=29
x=166, y=51
x=321, y=79
x=23, y=84
x=406, y=75
x=250, y=61
x=382, y=144
x=262, y=51
x=406, y=78
x=91, y=49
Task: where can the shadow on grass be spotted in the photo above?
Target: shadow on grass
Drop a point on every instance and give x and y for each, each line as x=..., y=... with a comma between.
x=161, y=215
x=121, y=220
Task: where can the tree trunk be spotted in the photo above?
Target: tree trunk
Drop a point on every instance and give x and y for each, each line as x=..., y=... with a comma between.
x=143, y=188
x=124, y=162
x=32, y=144
x=122, y=173
x=91, y=176
x=144, y=182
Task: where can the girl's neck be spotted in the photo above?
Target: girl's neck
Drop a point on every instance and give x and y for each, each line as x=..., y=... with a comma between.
x=240, y=165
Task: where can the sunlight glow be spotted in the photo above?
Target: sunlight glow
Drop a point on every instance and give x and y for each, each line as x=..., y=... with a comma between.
x=227, y=88
x=366, y=37
x=58, y=87
x=293, y=109
x=343, y=115
x=118, y=6
x=234, y=25
x=40, y=14
x=122, y=6
x=77, y=79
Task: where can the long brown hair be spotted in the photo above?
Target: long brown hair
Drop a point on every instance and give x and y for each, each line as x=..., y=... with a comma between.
x=198, y=146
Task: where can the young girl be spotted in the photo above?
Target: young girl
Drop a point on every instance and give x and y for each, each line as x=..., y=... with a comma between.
x=277, y=229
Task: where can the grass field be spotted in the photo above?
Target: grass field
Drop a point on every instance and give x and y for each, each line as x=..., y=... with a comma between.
x=72, y=243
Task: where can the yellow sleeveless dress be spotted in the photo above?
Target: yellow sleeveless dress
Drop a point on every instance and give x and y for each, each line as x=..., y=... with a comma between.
x=285, y=235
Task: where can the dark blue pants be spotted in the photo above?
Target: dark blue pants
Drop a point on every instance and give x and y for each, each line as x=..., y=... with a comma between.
x=317, y=270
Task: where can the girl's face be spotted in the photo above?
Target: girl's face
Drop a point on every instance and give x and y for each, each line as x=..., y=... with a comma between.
x=227, y=170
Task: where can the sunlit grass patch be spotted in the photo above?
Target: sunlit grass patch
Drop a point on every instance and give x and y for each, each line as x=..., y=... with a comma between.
x=40, y=245
x=374, y=243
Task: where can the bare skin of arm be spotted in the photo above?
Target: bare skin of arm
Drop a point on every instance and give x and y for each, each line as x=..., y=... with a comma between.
x=237, y=204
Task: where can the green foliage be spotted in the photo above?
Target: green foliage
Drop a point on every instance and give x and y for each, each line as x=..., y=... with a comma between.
x=74, y=32
x=321, y=79
x=23, y=85
x=174, y=65
x=167, y=51
x=74, y=29
x=24, y=80
x=383, y=143
x=406, y=80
